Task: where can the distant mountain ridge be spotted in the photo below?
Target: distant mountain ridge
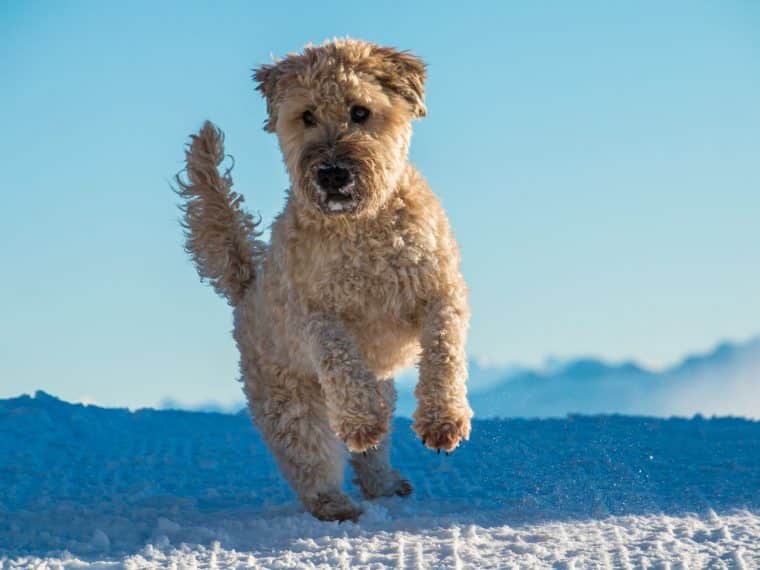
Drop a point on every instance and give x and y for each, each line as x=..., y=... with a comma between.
x=724, y=381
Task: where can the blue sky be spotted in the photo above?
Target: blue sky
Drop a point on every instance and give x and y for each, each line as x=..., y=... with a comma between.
x=599, y=162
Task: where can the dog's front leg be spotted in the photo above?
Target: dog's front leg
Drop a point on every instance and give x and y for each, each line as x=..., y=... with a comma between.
x=443, y=415
x=357, y=413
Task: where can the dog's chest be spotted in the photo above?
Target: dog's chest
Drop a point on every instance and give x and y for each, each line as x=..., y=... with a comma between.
x=382, y=275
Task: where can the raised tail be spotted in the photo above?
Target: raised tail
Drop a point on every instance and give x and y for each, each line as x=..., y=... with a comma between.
x=220, y=236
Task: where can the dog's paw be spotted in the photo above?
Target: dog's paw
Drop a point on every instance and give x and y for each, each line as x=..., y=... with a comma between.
x=363, y=436
x=399, y=488
x=333, y=506
x=445, y=433
x=403, y=488
x=383, y=483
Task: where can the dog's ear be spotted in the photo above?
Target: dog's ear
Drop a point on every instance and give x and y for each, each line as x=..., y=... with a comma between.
x=403, y=73
x=266, y=78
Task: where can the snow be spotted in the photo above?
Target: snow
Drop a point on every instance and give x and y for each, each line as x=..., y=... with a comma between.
x=87, y=487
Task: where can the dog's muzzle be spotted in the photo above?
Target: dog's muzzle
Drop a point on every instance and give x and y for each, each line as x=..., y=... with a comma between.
x=336, y=188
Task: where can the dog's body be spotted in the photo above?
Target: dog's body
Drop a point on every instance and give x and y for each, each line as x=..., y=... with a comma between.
x=360, y=279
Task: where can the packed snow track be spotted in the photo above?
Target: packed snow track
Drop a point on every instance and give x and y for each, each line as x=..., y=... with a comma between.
x=91, y=487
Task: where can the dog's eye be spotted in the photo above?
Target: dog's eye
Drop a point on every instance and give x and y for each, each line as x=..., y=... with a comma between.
x=359, y=114
x=308, y=118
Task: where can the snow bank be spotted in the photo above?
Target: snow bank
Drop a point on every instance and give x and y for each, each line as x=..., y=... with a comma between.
x=85, y=486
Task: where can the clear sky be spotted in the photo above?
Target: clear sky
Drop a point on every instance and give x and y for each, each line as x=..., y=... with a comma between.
x=600, y=162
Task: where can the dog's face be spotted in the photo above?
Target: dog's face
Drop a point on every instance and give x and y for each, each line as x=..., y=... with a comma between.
x=342, y=112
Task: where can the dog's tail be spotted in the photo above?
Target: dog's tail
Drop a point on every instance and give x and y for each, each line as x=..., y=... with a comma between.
x=220, y=236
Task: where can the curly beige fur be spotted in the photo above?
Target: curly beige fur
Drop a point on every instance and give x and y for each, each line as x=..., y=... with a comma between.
x=350, y=289
x=221, y=236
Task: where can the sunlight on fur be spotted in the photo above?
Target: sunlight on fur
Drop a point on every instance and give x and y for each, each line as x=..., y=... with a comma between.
x=361, y=277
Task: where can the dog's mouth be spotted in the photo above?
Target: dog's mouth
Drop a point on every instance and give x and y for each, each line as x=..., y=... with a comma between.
x=342, y=200
x=336, y=190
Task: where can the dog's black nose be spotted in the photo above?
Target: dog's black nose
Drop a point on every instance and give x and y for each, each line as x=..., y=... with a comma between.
x=332, y=177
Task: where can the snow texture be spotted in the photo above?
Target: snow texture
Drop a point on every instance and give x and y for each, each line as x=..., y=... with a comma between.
x=86, y=487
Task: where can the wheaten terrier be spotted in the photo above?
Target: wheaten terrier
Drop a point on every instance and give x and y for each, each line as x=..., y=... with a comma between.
x=360, y=278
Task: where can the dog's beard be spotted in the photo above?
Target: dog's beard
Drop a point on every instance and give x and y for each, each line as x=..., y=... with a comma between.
x=344, y=200
x=351, y=198
x=372, y=179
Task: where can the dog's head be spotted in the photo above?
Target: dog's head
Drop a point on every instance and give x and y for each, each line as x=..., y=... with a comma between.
x=342, y=112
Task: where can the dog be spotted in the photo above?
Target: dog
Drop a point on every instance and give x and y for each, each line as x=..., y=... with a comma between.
x=360, y=277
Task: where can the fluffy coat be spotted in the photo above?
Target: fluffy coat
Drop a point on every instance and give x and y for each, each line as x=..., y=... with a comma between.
x=347, y=293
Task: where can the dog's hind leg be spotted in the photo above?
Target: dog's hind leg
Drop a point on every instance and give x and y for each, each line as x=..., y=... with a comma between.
x=291, y=414
x=374, y=474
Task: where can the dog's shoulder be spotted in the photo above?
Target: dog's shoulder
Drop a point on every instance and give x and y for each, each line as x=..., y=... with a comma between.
x=421, y=217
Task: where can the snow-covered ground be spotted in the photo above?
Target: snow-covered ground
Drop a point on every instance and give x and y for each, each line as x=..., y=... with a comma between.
x=90, y=487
